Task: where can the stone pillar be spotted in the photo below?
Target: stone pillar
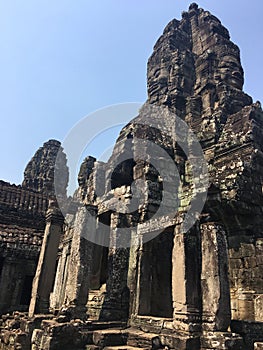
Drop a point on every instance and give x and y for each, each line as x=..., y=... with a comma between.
x=134, y=271
x=57, y=296
x=144, y=274
x=214, y=278
x=186, y=280
x=46, y=268
x=80, y=261
x=216, y=291
x=116, y=304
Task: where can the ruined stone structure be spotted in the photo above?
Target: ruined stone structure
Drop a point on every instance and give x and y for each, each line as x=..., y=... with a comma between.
x=120, y=271
x=22, y=224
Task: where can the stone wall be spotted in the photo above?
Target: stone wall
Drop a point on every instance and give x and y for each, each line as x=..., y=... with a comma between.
x=22, y=206
x=22, y=224
x=246, y=271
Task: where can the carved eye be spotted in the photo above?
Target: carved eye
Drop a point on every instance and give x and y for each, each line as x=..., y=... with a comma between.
x=236, y=74
x=157, y=73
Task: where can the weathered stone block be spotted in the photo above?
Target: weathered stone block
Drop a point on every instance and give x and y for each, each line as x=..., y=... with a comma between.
x=110, y=337
x=248, y=250
x=221, y=341
x=246, y=310
x=250, y=263
x=235, y=264
x=258, y=306
x=259, y=259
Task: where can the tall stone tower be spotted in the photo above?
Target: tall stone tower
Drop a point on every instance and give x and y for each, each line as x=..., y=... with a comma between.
x=39, y=172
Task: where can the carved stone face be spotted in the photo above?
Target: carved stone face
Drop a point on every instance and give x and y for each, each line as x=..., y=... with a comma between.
x=171, y=76
x=158, y=81
x=230, y=71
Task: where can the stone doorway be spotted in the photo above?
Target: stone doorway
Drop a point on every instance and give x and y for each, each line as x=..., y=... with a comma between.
x=99, y=268
x=26, y=291
x=100, y=252
x=156, y=277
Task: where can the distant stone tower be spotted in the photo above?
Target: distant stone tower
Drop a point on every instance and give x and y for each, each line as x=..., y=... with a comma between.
x=39, y=172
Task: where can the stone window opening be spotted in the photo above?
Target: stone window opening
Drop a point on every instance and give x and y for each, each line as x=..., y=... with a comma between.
x=123, y=174
x=26, y=290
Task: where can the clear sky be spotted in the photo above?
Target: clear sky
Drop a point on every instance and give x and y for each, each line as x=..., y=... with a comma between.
x=61, y=60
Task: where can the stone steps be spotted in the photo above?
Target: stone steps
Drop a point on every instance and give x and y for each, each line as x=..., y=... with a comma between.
x=134, y=339
x=124, y=347
x=116, y=347
x=110, y=337
x=140, y=339
x=92, y=347
x=95, y=302
x=100, y=325
x=114, y=339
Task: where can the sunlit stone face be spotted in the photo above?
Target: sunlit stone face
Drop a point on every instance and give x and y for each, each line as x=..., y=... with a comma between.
x=231, y=72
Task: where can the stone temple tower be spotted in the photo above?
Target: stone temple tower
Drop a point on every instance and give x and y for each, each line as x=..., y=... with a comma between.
x=162, y=246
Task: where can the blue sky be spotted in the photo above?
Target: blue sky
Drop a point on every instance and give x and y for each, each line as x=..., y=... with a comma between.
x=64, y=59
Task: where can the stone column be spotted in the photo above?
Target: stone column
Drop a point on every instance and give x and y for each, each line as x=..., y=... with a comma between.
x=116, y=304
x=134, y=272
x=215, y=290
x=144, y=274
x=57, y=296
x=186, y=280
x=80, y=261
x=214, y=278
x=46, y=268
